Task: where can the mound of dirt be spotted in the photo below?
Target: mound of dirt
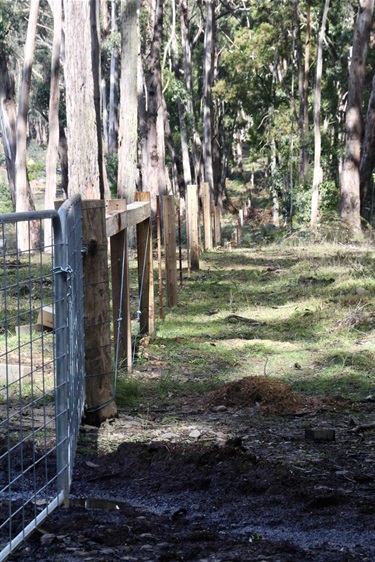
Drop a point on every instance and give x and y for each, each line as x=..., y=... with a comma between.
x=270, y=395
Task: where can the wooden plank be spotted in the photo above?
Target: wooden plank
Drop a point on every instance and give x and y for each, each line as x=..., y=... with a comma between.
x=121, y=288
x=46, y=317
x=117, y=220
x=98, y=346
x=10, y=373
x=145, y=270
x=170, y=249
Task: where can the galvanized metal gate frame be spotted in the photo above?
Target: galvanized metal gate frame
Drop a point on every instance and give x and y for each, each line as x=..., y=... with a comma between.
x=68, y=359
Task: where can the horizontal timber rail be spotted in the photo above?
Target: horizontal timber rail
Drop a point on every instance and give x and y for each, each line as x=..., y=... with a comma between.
x=118, y=220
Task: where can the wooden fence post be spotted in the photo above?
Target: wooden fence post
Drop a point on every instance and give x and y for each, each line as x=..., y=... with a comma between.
x=98, y=347
x=206, y=204
x=145, y=270
x=192, y=216
x=217, y=222
x=120, y=275
x=170, y=249
x=160, y=272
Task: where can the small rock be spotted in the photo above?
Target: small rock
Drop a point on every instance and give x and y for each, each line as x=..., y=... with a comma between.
x=195, y=434
x=361, y=291
x=168, y=435
x=353, y=421
x=48, y=538
x=320, y=434
x=220, y=408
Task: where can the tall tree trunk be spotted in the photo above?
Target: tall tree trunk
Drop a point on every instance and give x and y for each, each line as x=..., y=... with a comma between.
x=82, y=123
x=300, y=80
x=188, y=77
x=368, y=151
x=350, y=184
x=8, y=121
x=96, y=70
x=209, y=49
x=63, y=156
x=318, y=172
x=113, y=85
x=153, y=157
x=184, y=145
x=305, y=101
x=24, y=201
x=103, y=88
x=274, y=194
x=128, y=121
x=53, y=117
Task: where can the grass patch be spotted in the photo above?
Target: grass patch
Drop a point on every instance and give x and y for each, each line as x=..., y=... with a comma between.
x=311, y=322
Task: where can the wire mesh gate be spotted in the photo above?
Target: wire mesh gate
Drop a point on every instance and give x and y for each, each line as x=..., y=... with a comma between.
x=41, y=369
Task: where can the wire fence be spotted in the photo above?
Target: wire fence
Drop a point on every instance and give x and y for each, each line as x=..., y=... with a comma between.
x=41, y=366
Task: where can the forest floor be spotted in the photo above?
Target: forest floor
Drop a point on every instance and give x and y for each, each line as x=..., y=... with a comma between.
x=244, y=433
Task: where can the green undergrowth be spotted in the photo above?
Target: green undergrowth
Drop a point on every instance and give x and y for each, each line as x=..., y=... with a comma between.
x=302, y=313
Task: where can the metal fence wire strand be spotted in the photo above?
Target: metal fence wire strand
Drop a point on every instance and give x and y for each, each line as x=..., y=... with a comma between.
x=41, y=368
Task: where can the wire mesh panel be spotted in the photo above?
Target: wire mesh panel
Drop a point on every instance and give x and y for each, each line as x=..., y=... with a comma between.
x=37, y=358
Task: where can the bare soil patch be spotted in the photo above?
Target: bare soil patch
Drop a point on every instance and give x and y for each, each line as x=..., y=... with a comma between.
x=194, y=481
x=269, y=395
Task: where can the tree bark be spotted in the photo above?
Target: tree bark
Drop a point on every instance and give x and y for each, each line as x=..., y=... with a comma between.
x=96, y=72
x=8, y=122
x=350, y=182
x=188, y=78
x=128, y=121
x=318, y=172
x=209, y=46
x=305, y=132
x=82, y=121
x=153, y=155
x=300, y=80
x=63, y=155
x=113, y=85
x=53, y=118
x=368, y=151
x=24, y=201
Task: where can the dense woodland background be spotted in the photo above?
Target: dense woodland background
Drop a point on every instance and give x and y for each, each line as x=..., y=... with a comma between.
x=154, y=95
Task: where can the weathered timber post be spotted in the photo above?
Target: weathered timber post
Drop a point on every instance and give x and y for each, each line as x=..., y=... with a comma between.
x=160, y=272
x=206, y=204
x=121, y=288
x=98, y=347
x=170, y=249
x=179, y=237
x=193, y=218
x=145, y=270
x=217, y=223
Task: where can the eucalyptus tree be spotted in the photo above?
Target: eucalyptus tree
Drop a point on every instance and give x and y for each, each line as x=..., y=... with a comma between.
x=318, y=172
x=83, y=120
x=53, y=116
x=128, y=111
x=350, y=179
x=24, y=200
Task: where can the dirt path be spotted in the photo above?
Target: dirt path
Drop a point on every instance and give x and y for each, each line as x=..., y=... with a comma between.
x=209, y=481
